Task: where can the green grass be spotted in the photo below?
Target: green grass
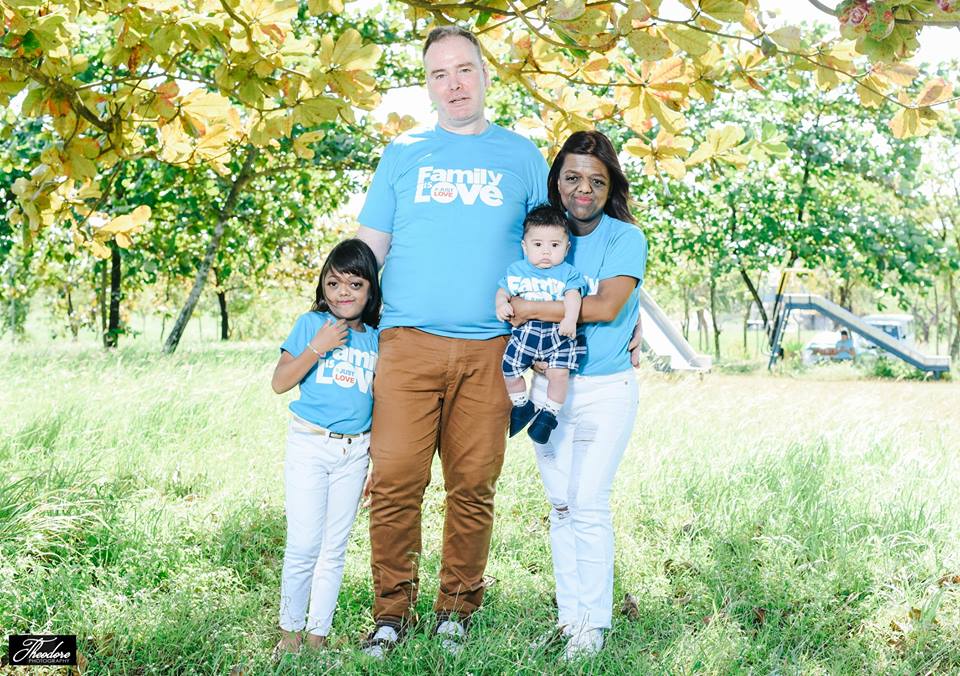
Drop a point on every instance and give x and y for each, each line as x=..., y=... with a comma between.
x=765, y=524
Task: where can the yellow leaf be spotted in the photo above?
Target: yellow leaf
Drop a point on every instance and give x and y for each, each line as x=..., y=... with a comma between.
x=649, y=46
x=724, y=10
x=638, y=148
x=905, y=123
x=674, y=166
x=123, y=240
x=565, y=10
x=788, y=37
x=690, y=40
x=671, y=120
x=902, y=74
x=320, y=6
x=98, y=249
x=826, y=79
x=935, y=91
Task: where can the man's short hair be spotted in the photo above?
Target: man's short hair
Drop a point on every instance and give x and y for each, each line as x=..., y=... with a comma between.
x=546, y=216
x=843, y=332
x=443, y=32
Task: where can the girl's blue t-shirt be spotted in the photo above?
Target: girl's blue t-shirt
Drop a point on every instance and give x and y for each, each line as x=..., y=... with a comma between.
x=337, y=392
x=613, y=249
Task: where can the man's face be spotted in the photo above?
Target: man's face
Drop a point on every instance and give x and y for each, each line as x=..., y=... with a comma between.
x=456, y=82
x=545, y=247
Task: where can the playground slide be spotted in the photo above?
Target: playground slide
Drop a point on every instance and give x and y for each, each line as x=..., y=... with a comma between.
x=932, y=363
x=663, y=339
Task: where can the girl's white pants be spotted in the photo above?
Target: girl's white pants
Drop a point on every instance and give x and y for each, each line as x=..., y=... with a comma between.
x=577, y=467
x=324, y=479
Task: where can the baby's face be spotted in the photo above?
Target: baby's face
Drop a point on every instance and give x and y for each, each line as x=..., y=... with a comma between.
x=545, y=246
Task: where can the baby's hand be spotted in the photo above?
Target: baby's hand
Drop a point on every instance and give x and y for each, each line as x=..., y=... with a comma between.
x=568, y=329
x=504, y=312
x=331, y=335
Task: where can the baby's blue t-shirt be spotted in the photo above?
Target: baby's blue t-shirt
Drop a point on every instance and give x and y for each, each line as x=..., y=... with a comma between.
x=532, y=283
x=613, y=249
x=454, y=205
x=336, y=393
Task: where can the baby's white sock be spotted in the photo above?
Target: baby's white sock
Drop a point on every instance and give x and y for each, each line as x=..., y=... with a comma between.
x=553, y=406
x=518, y=398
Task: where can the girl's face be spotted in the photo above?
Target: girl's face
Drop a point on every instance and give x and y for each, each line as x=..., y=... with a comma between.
x=346, y=294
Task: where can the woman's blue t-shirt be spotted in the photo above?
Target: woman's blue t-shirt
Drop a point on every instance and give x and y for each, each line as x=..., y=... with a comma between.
x=337, y=392
x=614, y=248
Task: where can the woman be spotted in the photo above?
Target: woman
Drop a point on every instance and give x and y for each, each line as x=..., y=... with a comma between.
x=579, y=462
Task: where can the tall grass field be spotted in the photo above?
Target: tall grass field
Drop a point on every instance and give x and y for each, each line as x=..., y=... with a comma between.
x=765, y=524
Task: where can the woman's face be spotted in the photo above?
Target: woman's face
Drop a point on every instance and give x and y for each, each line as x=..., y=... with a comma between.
x=584, y=185
x=346, y=294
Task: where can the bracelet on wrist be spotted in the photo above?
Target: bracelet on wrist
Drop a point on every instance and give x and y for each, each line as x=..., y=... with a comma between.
x=313, y=349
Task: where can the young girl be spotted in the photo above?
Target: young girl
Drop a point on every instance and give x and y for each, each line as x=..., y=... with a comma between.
x=331, y=354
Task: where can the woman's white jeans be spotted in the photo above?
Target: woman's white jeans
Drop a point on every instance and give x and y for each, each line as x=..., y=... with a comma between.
x=324, y=479
x=577, y=467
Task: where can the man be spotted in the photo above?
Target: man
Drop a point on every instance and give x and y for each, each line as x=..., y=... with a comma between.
x=444, y=216
x=844, y=350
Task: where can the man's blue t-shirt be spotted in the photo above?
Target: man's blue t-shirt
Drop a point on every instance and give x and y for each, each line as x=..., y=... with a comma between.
x=613, y=249
x=532, y=283
x=336, y=393
x=454, y=205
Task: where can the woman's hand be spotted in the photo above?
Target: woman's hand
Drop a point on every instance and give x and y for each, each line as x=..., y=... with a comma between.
x=329, y=336
x=521, y=308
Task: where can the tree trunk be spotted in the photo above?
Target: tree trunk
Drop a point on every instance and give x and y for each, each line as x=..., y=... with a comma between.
x=702, y=337
x=955, y=316
x=102, y=301
x=685, y=324
x=222, y=302
x=746, y=331
x=713, y=317
x=756, y=299
x=112, y=337
x=224, y=317
x=173, y=340
x=71, y=320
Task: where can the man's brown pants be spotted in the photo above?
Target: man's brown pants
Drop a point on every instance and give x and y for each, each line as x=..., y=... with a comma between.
x=434, y=393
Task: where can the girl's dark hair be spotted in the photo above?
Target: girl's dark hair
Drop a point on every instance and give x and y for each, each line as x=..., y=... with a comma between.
x=352, y=257
x=596, y=144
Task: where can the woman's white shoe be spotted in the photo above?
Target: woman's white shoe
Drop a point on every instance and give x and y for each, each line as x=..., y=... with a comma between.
x=583, y=644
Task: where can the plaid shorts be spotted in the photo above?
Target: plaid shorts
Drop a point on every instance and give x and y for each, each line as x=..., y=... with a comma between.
x=541, y=341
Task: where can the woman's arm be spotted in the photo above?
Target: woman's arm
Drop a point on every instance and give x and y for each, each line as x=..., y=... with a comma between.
x=603, y=306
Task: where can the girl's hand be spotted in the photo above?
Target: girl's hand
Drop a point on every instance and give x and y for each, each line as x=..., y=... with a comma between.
x=365, y=498
x=331, y=335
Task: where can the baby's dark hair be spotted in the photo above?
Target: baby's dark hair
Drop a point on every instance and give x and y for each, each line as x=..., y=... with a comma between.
x=546, y=216
x=352, y=257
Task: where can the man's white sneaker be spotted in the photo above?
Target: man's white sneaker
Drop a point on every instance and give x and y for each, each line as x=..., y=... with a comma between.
x=452, y=633
x=380, y=642
x=584, y=644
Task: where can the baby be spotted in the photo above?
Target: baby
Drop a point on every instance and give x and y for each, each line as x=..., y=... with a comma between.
x=541, y=276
